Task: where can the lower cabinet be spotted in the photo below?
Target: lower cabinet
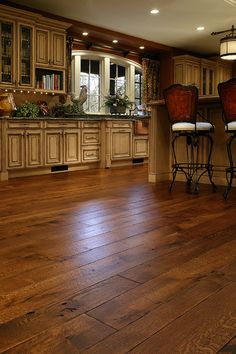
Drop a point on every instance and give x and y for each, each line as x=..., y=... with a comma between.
x=121, y=144
x=45, y=143
x=24, y=148
x=62, y=146
x=140, y=147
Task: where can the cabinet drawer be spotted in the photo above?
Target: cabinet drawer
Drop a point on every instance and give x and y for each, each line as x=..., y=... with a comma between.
x=62, y=124
x=122, y=124
x=90, y=137
x=90, y=154
x=24, y=124
x=91, y=124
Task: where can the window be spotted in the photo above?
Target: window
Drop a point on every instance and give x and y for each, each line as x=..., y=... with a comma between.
x=105, y=74
x=117, y=79
x=138, y=87
x=90, y=76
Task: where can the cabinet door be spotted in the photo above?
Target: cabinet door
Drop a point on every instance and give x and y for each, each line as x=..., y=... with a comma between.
x=71, y=146
x=121, y=144
x=15, y=148
x=7, y=53
x=33, y=148
x=53, y=148
x=58, y=47
x=140, y=147
x=42, y=46
x=26, y=58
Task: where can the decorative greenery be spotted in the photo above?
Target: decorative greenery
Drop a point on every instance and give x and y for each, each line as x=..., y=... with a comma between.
x=117, y=100
x=28, y=109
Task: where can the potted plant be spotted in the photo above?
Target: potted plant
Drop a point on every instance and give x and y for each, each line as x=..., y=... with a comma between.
x=117, y=103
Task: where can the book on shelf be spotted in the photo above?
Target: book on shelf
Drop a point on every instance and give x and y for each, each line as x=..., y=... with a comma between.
x=49, y=82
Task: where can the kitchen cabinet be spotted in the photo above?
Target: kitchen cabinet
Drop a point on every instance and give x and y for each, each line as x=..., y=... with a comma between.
x=38, y=146
x=62, y=143
x=24, y=147
x=121, y=140
x=91, y=141
x=187, y=70
x=17, y=60
x=206, y=74
x=32, y=51
x=140, y=146
x=208, y=77
x=50, y=48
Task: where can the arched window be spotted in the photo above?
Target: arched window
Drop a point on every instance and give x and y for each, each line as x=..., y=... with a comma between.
x=105, y=74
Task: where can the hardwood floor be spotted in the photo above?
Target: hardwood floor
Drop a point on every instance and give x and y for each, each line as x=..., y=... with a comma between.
x=104, y=262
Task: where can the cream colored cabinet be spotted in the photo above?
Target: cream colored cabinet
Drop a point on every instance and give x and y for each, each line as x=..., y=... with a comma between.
x=53, y=147
x=140, y=146
x=91, y=141
x=187, y=70
x=32, y=51
x=71, y=146
x=208, y=77
x=17, y=54
x=24, y=148
x=7, y=53
x=50, y=60
x=205, y=74
x=62, y=146
x=121, y=143
x=50, y=48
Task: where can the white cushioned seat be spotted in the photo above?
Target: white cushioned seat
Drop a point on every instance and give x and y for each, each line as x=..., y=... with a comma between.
x=185, y=126
x=231, y=126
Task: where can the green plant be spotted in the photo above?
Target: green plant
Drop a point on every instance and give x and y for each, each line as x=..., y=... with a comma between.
x=117, y=100
x=28, y=109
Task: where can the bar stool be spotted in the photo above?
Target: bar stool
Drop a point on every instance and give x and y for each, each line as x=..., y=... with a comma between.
x=227, y=93
x=181, y=102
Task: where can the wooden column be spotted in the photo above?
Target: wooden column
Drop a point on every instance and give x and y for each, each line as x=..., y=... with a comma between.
x=159, y=135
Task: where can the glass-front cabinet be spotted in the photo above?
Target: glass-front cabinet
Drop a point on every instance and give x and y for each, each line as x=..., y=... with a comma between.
x=25, y=62
x=6, y=53
x=16, y=57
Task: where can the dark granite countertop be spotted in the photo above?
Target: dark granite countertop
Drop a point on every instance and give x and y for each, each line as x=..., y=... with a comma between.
x=84, y=117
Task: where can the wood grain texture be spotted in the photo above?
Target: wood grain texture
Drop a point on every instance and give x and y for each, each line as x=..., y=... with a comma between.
x=103, y=262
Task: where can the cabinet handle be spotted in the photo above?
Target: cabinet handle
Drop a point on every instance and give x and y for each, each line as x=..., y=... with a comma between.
x=123, y=131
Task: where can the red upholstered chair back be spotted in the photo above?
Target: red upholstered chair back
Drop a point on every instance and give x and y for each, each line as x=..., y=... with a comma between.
x=227, y=93
x=181, y=102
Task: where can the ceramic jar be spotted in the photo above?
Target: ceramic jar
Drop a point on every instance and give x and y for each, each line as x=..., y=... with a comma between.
x=7, y=104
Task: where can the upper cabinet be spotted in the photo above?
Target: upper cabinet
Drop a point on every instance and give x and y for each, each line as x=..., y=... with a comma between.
x=204, y=73
x=50, y=48
x=7, y=49
x=25, y=57
x=32, y=51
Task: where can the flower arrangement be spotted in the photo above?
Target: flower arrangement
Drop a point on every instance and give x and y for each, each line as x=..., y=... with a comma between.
x=117, y=100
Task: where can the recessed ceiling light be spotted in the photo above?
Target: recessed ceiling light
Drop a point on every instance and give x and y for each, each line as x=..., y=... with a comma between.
x=200, y=28
x=141, y=47
x=115, y=41
x=154, y=11
x=84, y=33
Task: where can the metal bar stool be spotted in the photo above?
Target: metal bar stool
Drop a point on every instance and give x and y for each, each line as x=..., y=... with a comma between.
x=227, y=93
x=181, y=102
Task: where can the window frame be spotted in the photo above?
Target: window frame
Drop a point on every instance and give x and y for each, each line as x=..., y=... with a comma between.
x=104, y=59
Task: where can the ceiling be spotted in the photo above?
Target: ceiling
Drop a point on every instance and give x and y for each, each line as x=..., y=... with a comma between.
x=174, y=26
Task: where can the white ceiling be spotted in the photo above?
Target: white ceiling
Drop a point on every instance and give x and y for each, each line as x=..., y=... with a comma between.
x=174, y=26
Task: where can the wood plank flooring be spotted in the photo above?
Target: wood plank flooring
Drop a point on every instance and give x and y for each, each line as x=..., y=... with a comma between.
x=103, y=262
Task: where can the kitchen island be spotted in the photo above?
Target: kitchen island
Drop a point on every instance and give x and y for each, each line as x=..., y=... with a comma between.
x=48, y=145
x=160, y=157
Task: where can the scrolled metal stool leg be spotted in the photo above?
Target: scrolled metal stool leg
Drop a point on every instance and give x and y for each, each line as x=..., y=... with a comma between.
x=229, y=170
